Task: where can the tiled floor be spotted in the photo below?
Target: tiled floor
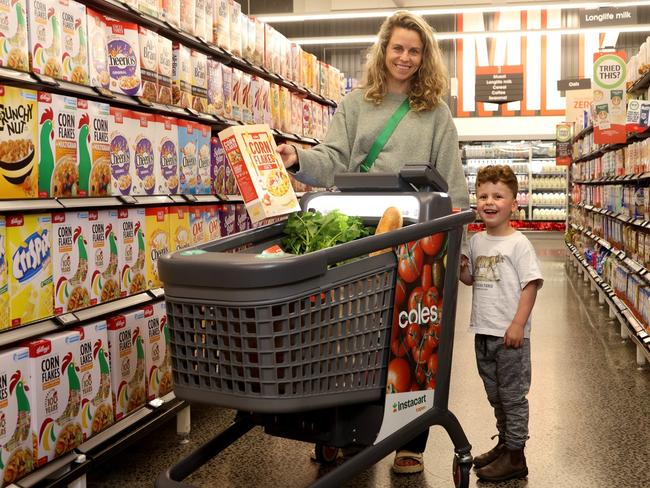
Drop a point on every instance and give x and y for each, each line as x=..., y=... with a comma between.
x=590, y=411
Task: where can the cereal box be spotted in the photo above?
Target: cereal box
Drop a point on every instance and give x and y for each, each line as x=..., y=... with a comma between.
x=199, y=81
x=204, y=162
x=172, y=12
x=230, y=183
x=16, y=451
x=181, y=75
x=58, y=172
x=13, y=35
x=228, y=220
x=131, y=239
x=246, y=101
x=104, y=256
x=188, y=14
x=157, y=242
x=243, y=220
x=94, y=148
x=123, y=51
x=274, y=100
x=43, y=22
x=97, y=55
x=121, y=151
x=307, y=123
x=149, y=63
x=296, y=114
x=18, y=136
x=269, y=46
x=296, y=57
x=29, y=267
x=166, y=167
x=236, y=95
x=199, y=18
x=211, y=222
x=150, y=7
x=251, y=40
x=226, y=73
x=74, y=57
x=285, y=109
x=209, y=16
x=221, y=23
x=70, y=231
x=144, y=154
x=55, y=395
x=157, y=352
x=127, y=364
x=4, y=283
x=95, y=376
x=235, y=28
x=317, y=116
x=188, y=156
x=164, y=70
x=266, y=102
x=261, y=176
x=257, y=91
x=179, y=228
x=215, y=88
x=198, y=230
x=258, y=57
x=217, y=166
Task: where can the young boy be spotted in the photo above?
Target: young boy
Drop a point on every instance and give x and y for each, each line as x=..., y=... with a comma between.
x=504, y=272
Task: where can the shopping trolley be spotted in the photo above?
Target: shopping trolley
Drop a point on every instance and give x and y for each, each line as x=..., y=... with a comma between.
x=305, y=345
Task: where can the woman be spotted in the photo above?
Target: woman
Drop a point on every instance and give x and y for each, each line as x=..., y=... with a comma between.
x=405, y=62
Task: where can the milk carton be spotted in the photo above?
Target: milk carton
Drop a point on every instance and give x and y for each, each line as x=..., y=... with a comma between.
x=157, y=243
x=166, y=167
x=157, y=352
x=131, y=237
x=104, y=255
x=94, y=148
x=144, y=153
x=4, y=281
x=179, y=228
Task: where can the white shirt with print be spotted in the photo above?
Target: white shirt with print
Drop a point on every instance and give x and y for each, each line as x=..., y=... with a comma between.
x=501, y=267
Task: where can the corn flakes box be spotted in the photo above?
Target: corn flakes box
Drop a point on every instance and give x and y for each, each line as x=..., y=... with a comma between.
x=16, y=448
x=221, y=23
x=127, y=363
x=188, y=13
x=188, y=156
x=246, y=101
x=74, y=56
x=123, y=57
x=199, y=81
x=144, y=154
x=212, y=222
x=157, y=242
x=122, y=129
x=197, y=224
x=165, y=70
x=70, y=231
x=261, y=177
x=94, y=148
x=181, y=75
x=204, y=161
x=149, y=63
x=166, y=167
x=236, y=94
x=131, y=239
x=157, y=355
x=226, y=73
x=215, y=88
x=13, y=35
x=18, y=136
x=97, y=54
x=179, y=228
x=55, y=395
x=44, y=25
x=217, y=166
x=95, y=377
x=4, y=282
x=172, y=12
x=29, y=267
x=228, y=220
x=104, y=256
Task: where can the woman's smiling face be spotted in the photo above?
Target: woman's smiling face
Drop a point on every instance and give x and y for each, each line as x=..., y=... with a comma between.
x=403, y=58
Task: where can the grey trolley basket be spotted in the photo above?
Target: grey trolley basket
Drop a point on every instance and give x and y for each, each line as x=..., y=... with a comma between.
x=300, y=347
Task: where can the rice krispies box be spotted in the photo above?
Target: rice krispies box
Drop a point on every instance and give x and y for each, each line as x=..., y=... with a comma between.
x=94, y=148
x=144, y=154
x=122, y=137
x=157, y=354
x=188, y=136
x=43, y=22
x=204, y=163
x=16, y=448
x=198, y=229
x=97, y=54
x=127, y=363
x=74, y=56
x=4, y=280
x=13, y=35
x=123, y=51
x=18, y=136
x=166, y=167
x=29, y=265
x=157, y=243
x=70, y=264
x=95, y=377
x=104, y=256
x=55, y=394
x=180, y=235
x=131, y=238
x=212, y=222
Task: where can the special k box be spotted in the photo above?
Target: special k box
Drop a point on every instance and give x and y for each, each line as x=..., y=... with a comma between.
x=16, y=451
x=104, y=257
x=4, y=281
x=261, y=177
x=144, y=153
x=197, y=225
x=157, y=242
x=126, y=346
x=29, y=265
x=166, y=167
x=157, y=353
x=70, y=244
x=94, y=148
x=131, y=239
x=55, y=395
x=95, y=377
x=179, y=228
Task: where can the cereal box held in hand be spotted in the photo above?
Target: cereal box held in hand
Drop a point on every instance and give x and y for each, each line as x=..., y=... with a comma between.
x=261, y=177
x=157, y=353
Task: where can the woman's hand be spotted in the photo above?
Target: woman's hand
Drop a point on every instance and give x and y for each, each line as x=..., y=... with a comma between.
x=289, y=154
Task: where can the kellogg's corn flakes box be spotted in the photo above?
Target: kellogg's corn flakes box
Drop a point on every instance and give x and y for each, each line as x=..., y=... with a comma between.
x=157, y=353
x=204, y=162
x=74, y=57
x=123, y=51
x=179, y=228
x=55, y=395
x=157, y=242
x=18, y=136
x=188, y=136
x=13, y=35
x=197, y=224
x=95, y=376
x=127, y=363
x=4, y=281
x=166, y=166
x=122, y=134
x=212, y=222
x=44, y=25
x=16, y=448
x=97, y=54
x=144, y=154
x=70, y=245
x=29, y=265
x=94, y=148
x=104, y=255
x=131, y=226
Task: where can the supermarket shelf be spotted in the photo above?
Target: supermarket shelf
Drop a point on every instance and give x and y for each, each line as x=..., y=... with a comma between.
x=549, y=205
x=583, y=133
x=550, y=173
x=640, y=223
x=555, y=190
x=640, y=85
x=612, y=180
x=632, y=137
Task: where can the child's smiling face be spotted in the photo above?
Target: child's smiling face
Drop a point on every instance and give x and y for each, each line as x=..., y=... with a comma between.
x=495, y=204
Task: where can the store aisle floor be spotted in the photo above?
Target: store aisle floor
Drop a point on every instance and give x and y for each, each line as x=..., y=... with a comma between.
x=590, y=411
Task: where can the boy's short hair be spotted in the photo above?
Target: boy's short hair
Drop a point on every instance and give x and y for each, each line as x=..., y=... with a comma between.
x=495, y=173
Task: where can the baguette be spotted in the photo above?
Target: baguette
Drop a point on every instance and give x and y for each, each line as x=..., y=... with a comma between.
x=391, y=220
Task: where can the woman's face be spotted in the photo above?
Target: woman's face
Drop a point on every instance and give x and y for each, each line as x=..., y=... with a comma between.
x=403, y=58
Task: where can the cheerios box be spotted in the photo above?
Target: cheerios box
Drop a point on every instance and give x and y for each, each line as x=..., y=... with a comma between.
x=104, y=255
x=29, y=265
x=127, y=363
x=55, y=394
x=166, y=165
x=157, y=242
x=188, y=165
x=198, y=230
x=123, y=50
x=16, y=448
x=44, y=26
x=70, y=263
x=204, y=160
x=95, y=378
x=144, y=153
x=261, y=177
x=131, y=239
x=157, y=351
x=180, y=235
x=13, y=35
x=74, y=55
x=94, y=148
x=122, y=136
x=4, y=280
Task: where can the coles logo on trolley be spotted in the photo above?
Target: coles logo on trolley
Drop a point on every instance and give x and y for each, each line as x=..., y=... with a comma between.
x=420, y=315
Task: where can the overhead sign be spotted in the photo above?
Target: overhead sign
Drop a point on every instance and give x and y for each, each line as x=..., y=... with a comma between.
x=499, y=84
x=610, y=71
x=607, y=16
x=576, y=84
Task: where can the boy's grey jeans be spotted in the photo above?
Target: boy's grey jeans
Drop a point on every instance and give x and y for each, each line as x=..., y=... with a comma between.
x=505, y=372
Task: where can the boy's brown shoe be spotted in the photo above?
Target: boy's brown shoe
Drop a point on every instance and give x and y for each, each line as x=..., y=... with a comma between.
x=509, y=465
x=487, y=457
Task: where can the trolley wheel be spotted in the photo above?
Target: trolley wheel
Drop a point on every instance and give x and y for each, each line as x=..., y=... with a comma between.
x=461, y=472
x=325, y=454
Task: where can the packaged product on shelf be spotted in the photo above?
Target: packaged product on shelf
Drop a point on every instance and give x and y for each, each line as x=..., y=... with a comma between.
x=97, y=54
x=187, y=157
x=211, y=222
x=317, y=116
x=144, y=154
x=123, y=50
x=226, y=73
x=257, y=97
x=131, y=3
x=283, y=58
x=296, y=114
x=4, y=280
x=306, y=118
x=251, y=38
x=157, y=353
x=199, y=81
x=209, y=21
x=16, y=451
x=165, y=70
x=221, y=23
x=236, y=94
x=197, y=225
x=126, y=338
x=131, y=256
x=70, y=264
x=157, y=242
x=217, y=167
x=181, y=75
x=243, y=220
x=95, y=376
x=246, y=101
x=73, y=41
x=188, y=12
x=172, y=12
x=261, y=176
x=296, y=57
x=199, y=18
x=166, y=167
x=93, y=148
x=228, y=220
x=258, y=56
x=180, y=236
x=235, y=28
x=215, y=88
x=285, y=109
x=149, y=7
x=55, y=395
x=29, y=267
x=274, y=102
x=104, y=256
x=44, y=27
x=305, y=69
x=269, y=46
x=121, y=144
x=14, y=50
x=204, y=165
x=266, y=102
x=323, y=69
x=149, y=63
x=18, y=135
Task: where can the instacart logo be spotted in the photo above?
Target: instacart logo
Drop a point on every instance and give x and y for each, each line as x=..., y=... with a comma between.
x=414, y=402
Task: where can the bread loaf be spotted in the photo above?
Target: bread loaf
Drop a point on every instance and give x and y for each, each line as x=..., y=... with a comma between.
x=391, y=220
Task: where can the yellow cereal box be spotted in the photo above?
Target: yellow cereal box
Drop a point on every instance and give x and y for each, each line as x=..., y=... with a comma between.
x=261, y=177
x=74, y=56
x=95, y=376
x=131, y=223
x=4, y=283
x=44, y=24
x=18, y=135
x=94, y=148
x=157, y=352
x=104, y=255
x=29, y=265
x=157, y=242
x=16, y=451
x=179, y=228
x=13, y=35
x=70, y=232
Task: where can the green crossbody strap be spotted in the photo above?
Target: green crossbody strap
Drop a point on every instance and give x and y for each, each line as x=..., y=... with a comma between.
x=385, y=134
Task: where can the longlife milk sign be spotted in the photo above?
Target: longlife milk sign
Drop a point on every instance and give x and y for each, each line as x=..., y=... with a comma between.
x=608, y=89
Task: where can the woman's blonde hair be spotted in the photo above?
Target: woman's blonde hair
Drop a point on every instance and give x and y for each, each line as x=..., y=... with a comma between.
x=429, y=82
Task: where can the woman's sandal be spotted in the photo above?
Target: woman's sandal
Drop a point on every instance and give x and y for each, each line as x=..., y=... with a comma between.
x=418, y=467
